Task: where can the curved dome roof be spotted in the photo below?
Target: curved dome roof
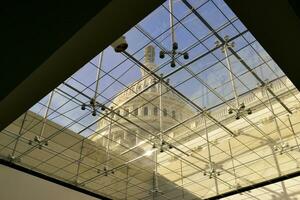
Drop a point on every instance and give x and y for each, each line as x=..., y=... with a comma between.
x=145, y=82
x=144, y=94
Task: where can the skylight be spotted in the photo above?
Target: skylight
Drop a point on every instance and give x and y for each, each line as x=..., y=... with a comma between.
x=129, y=127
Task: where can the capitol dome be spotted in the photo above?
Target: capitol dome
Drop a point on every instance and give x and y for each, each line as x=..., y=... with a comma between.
x=142, y=110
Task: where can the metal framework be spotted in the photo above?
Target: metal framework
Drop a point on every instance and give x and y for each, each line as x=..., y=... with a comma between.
x=174, y=51
x=210, y=145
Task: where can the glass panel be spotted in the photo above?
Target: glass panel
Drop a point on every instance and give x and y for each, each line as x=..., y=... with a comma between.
x=133, y=126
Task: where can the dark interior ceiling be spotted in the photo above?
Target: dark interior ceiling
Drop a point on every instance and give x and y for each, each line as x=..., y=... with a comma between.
x=43, y=43
x=276, y=25
x=33, y=31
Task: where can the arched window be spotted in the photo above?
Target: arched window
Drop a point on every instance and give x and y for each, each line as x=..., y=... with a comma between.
x=126, y=112
x=145, y=111
x=165, y=112
x=117, y=113
x=173, y=114
x=130, y=139
x=153, y=88
x=145, y=84
x=155, y=111
x=139, y=88
x=135, y=112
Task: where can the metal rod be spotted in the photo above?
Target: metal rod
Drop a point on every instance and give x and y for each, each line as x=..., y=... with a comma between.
x=79, y=161
x=100, y=60
x=225, y=48
x=232, y=161
x=278, y=169
x=127, y=182
x=108, y=143
x=172, y=21
x=20, y=134
x=160, y=109
x=293, y=131
x=154, y=186
x=211, y=167
x=46, y=113
x=273, y=113
x=216, y=184
x=155, y=181
x=207, y=140
x=181, y=172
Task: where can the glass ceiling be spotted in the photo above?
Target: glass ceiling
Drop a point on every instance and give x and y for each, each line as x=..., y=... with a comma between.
x=130, y=126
